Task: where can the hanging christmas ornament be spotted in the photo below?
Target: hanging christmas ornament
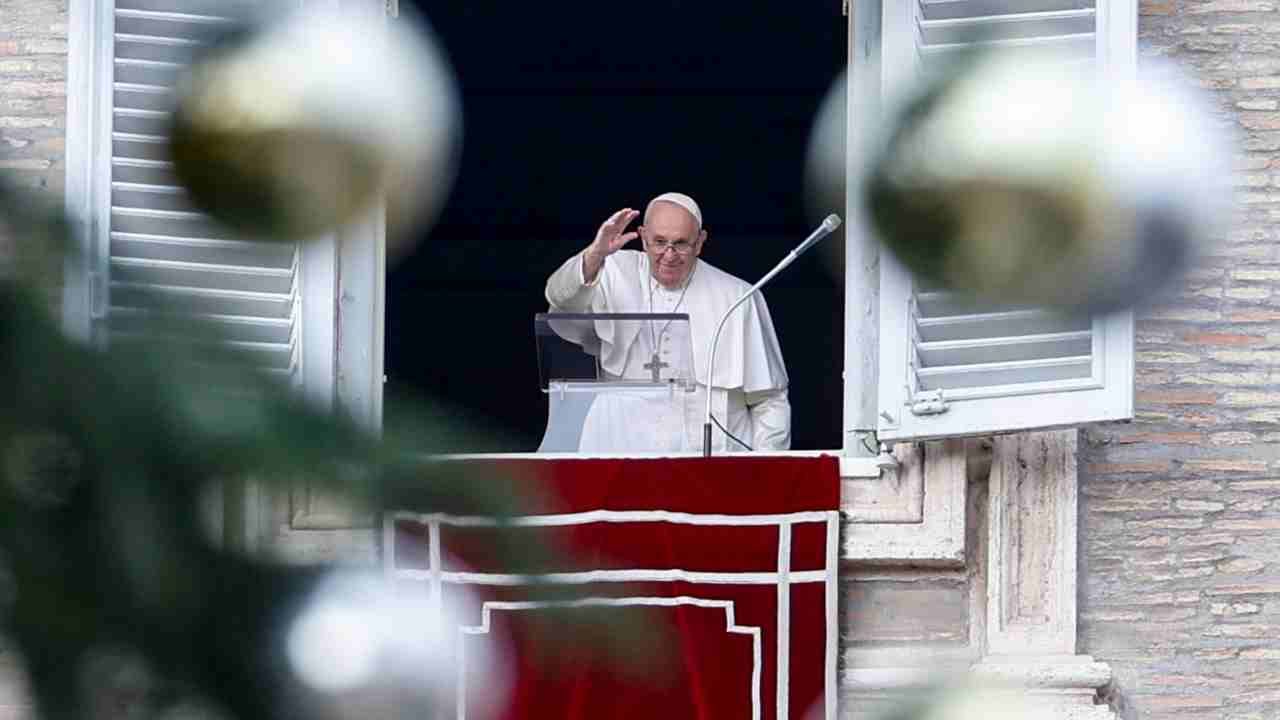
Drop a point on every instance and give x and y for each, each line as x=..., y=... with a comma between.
x=296, y=124
x=1030, y=179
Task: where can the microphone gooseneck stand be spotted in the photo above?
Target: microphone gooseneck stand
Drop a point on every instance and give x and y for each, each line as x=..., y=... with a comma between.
x=826, y=228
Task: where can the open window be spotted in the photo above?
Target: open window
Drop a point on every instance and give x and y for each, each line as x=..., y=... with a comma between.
x=313, y=313
x=951, y=368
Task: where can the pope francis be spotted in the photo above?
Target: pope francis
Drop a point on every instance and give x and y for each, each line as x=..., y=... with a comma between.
x=749, y=388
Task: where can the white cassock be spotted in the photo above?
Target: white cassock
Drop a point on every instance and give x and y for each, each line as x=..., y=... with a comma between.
x=749, y=389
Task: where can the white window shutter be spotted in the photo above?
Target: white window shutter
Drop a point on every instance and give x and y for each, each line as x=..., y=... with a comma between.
x=950, y=368
x=146, y=249
x=161, y=254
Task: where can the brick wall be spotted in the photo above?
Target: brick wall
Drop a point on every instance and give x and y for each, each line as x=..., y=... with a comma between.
x=33, y=96
x=1180, y=511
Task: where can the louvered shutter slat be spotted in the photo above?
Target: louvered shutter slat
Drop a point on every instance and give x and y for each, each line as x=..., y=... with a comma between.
x=166, y=257
x=146, y=72
x=202, y=250
x=1005, y=349
x=135, y=146
x=146, y=47
x=160, y=197
x=1024, y=25
x=140, y=122
x=173, y=223
x=140, y=170
x=153, y=23
x=253, y=329
x=1072, y=49
x=264, y=356
x=998, y=324
x=222, y=8
x=1065, y=27
x=947, y=9
x=1006, y=373
x=951, y=366
x=200, y=275
x=200, y=301
x=137, y=96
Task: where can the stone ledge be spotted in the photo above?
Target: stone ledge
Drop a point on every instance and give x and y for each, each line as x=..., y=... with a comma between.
x=1046, y=672
x=1064, y=686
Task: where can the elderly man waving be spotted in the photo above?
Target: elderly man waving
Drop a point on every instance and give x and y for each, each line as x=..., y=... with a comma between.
x=749, y=389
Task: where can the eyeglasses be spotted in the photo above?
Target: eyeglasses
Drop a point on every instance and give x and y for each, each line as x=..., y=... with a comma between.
x=682, y=247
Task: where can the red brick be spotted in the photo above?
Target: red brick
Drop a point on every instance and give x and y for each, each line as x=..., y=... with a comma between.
x=1264, y=524
x=1254, y=316
x=1248, y=485
x=1136, y=467
x=1168, y=438
x=1261, y=120
x=1171, y=702
x=1252, y=589
x=1177, y=397
x=1227, y=465
x=1230, y=339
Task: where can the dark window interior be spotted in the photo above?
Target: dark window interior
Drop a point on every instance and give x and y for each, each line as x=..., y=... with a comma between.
x=573, y=110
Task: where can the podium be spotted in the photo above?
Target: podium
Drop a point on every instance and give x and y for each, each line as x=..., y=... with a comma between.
x=617, y=382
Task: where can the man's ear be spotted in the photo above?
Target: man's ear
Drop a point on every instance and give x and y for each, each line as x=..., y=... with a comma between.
x=702, y=238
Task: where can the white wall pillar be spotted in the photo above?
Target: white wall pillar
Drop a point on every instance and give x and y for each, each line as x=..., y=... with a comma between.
x=1031, y=576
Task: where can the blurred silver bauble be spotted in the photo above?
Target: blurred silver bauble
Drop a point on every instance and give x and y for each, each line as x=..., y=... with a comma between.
x=300, y=123
x=365, y=646
x=1028, y=179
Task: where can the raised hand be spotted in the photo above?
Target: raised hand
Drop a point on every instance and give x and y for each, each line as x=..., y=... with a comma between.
x=609, y=239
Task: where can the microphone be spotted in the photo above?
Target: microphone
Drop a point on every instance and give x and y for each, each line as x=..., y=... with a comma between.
x=826, y=228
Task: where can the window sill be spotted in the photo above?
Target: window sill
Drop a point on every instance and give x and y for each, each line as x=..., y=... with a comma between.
x=850, y=467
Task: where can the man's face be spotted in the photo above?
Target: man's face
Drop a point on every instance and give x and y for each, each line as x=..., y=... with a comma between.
x=672, y=241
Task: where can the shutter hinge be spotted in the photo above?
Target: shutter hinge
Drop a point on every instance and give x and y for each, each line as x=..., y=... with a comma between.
x=392, y=8
x=97, y=296
x=844, y=8
x=928, y=402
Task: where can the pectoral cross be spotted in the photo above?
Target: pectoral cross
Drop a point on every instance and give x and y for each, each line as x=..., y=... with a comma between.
x=655, y=367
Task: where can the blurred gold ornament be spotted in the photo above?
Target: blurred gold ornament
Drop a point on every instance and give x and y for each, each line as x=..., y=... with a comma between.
x=300, y=123
x=1032, y=180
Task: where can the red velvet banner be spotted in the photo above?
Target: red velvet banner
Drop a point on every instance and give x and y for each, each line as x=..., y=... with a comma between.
x=710, y=585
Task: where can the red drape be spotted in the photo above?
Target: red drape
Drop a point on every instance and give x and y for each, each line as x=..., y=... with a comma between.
x=710, y=584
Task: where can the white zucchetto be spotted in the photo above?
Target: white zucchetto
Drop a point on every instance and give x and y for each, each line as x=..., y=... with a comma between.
x=680, y=199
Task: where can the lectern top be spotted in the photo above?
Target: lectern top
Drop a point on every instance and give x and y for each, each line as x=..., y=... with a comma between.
x=611, y=347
